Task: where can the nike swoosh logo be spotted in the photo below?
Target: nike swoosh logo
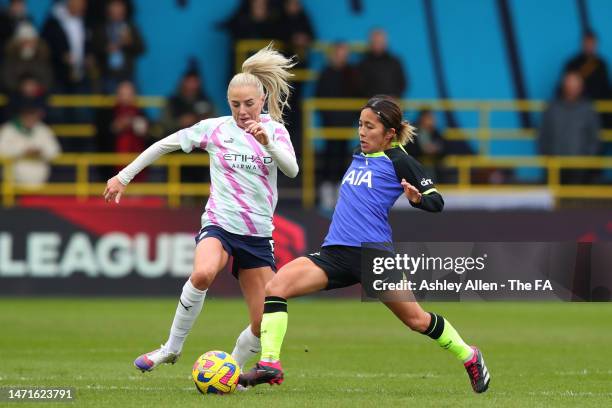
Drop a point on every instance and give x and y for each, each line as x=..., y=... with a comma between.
x=253, y=351
x=186, y=307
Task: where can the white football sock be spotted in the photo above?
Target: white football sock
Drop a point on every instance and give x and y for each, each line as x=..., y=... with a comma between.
x=189, y=307
x=247, y=346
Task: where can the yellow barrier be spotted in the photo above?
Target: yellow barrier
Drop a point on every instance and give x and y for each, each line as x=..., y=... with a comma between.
x=484, y=133
x=101, y=101
x=464, y=164
x=94, y=101
x=69, y=130
x=174, y=189
x=82, y=188
x=85, y=130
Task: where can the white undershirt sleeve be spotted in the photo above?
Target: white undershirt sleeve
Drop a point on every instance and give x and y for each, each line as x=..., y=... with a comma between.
x=285, y=160
x=155, y=151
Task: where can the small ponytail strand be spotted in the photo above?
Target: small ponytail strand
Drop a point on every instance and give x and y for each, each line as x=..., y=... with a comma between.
x=406, y=133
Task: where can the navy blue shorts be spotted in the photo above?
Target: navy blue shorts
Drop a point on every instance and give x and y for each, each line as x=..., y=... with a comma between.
x=248, y=252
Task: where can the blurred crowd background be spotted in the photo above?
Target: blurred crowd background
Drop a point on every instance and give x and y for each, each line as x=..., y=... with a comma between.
x=98, y=76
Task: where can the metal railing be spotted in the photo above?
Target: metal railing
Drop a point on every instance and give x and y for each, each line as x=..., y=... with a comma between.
x=83, y=188
x=174, y=189
x=464, y=164
x=85, y=130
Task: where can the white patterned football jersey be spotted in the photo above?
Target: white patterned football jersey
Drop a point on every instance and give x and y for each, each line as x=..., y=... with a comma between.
x=243, y=193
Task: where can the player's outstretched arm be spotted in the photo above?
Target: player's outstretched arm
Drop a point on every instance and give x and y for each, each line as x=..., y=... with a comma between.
x=115, y=187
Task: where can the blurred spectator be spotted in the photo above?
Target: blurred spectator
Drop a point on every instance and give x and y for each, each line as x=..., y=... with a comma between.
x=382, y=72
x=339, y=79
x=31, y=144
x=253, y=19
x=429, y=146
x=26, y=55
x=570, y=126
x=129, y=124
x=68, y=39
x=10, y=18
x=122, y=128
x=96, y=12
x=29, y=90
x=296, y=30
x=298, y=35
x=592, y=68
x=116, y=44
x=431, y=143
x=188, y=105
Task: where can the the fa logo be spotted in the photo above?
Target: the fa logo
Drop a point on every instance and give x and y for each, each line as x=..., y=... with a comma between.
x=426, y=182
x=358, y=178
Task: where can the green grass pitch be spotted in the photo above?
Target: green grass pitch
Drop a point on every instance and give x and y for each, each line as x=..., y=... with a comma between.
x=338, y=353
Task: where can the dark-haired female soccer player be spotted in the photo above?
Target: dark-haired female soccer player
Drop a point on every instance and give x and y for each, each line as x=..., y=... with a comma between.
x=380, y=172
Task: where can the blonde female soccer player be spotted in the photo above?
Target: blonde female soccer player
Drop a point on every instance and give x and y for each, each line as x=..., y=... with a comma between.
x=381, y=171
x=245, y=149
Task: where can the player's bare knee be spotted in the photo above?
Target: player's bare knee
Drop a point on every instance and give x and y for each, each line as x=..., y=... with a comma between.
x=276, y=287
x=202, y=278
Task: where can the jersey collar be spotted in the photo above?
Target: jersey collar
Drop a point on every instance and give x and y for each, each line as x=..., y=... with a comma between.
x=377, y=154
x=380, y=154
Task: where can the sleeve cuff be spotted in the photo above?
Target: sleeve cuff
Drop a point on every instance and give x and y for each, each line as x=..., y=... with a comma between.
x=122, y=178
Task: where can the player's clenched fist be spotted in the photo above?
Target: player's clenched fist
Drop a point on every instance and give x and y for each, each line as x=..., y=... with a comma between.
x=257, y=130
x=411, y=192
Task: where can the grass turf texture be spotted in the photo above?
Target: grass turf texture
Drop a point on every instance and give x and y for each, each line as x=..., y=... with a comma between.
x=336, y=353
